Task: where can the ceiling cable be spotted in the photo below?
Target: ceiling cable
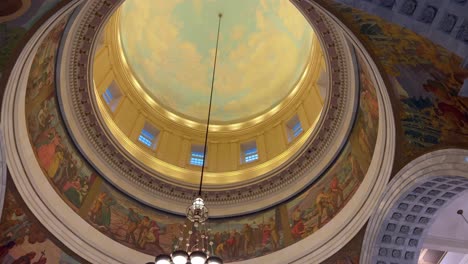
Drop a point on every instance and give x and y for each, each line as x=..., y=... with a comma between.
x=220, y=15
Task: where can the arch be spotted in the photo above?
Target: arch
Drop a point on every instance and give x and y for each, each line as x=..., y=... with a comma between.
x=410, y=204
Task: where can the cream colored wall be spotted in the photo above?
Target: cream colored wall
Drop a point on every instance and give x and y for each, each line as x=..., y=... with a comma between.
x=224, y=154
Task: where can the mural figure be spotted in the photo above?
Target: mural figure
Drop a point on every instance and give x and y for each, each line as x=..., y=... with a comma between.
x=248, y=236
x=104, y=218
x=336, y=194
x=356, y=171
x=22, y=238
x=133, y=221
x=150, y=236
x=298, y=227
x=324, y=206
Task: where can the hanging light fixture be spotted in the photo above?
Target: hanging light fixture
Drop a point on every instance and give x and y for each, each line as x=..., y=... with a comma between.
x=195, y=237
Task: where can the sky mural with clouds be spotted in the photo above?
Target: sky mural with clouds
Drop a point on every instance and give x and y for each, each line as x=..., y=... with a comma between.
x=259, y=59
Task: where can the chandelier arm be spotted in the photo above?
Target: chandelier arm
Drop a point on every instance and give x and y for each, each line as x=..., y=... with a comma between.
x=220, y=15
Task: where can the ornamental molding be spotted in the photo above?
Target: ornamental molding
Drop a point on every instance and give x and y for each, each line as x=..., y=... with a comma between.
x=81, y=114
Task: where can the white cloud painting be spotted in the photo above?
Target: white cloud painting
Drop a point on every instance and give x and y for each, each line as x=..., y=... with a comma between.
x=169, y=45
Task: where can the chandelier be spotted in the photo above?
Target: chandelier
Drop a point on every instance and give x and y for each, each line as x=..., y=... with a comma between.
x=194, y=244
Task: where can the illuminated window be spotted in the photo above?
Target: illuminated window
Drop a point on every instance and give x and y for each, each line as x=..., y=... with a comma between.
x=249, y=152
x=112, y=96
x=294, y=128
x=148, y=136
x=196, y=155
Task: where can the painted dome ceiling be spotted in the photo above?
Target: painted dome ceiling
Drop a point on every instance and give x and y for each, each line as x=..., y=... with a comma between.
x=173, y=61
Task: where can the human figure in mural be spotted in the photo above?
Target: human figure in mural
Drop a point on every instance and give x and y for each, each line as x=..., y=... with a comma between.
x=72, y=189
x=248, y=238
x=56, y=161
x=225, y=235
x=150, y=236
x=133, y=219
x=336, y=193
x=273, y=233
x=44, y=118
x=46, y=148
x=68, y=170
x=238, y=243
x=143, y=227
x=103, y=219
x=364, y=141
x=231, y=243
x=323, y=205
x=220, y=250
x=96, y=208
x=266, y=235
x=216, y=238
x=369, y=104
x=298, y=227
x=356, y=171
x=256, y=233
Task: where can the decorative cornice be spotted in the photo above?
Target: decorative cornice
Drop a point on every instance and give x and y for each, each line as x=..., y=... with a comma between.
x=79, y=106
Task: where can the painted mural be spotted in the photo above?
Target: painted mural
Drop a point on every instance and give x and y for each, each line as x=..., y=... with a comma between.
x=317, y=206
x=23, y=240
x=424, y=76
x=15, y=22
x=56, y=154
x=174, y=62
x=130, y=223
x=151, y=231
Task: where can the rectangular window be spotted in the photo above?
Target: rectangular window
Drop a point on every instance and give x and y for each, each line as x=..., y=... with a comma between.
x=148, y=135
x=108, y=96
x=112, y=96
x=294, y=128
x=297, y=129
x=249, y=152
x=196, y=155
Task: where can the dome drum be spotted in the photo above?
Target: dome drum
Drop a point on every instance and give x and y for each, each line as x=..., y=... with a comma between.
x=114, y=155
